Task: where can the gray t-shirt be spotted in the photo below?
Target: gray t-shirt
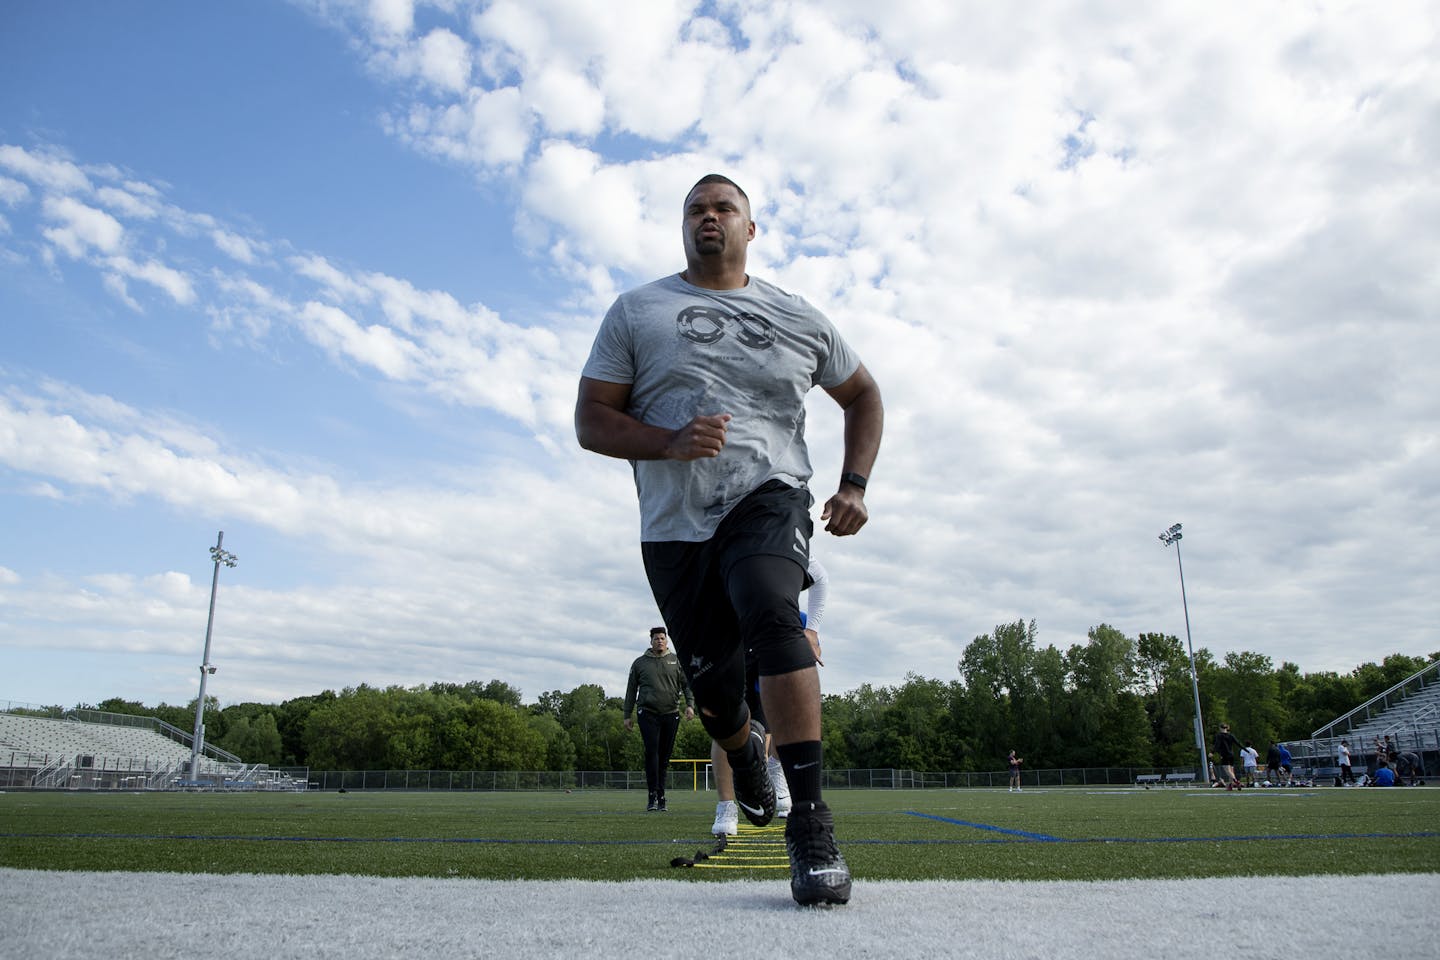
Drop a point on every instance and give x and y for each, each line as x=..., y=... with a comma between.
x=752, y=353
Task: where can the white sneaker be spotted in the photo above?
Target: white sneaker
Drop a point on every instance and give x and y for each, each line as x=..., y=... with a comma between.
x=727, y=819
x=782, y=788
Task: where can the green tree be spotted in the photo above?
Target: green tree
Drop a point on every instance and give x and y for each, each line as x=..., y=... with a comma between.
x=998, y=672
x=917, y=725
x=351, y=732
x=290, y=720
x=493, y=736
x=1110, y=724
x=254, y=741
x=559, y=750
x=595, y=727
x=1163, y=672
x=1049, y=719
x=1248, y=683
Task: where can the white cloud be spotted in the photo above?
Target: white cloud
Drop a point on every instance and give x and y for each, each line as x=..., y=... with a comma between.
x=81, y=228
x=566, y=101
x=115, y=283
x=13, y=192
x=51, y=172
x=374, y=346
x=336, y=283
x=234, y=246
x=125, y=203
x=491, y=128
x=392, y=18
x=173, y=282
x=443, y=59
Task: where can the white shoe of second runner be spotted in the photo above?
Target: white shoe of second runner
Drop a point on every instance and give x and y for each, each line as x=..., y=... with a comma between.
x=727, y=819
x=782, y=789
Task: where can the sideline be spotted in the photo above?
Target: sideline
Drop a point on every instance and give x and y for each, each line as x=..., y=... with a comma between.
x=58, y=915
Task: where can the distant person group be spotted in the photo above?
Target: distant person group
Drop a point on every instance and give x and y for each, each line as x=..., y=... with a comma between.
x=1279, y=764
x=1393, y=767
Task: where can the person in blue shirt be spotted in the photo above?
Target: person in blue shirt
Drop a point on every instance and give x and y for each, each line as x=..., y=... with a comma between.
x=1384, y=776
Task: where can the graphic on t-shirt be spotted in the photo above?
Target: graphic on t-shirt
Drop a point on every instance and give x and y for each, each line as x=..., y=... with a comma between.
x=707, y=325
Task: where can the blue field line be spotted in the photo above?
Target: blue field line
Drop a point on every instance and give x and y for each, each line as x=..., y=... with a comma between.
x=1025, y=834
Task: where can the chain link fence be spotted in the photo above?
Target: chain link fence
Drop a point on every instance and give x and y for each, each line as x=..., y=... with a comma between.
x=682, y=780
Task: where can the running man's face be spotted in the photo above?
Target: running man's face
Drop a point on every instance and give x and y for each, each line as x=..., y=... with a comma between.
x=657, y=642
x=717, y=221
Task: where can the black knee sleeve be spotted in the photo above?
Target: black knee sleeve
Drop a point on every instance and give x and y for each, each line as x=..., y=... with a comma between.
x=763, y=591
x=726, y=720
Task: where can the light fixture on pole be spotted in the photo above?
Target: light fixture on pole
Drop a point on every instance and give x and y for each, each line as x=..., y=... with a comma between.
x=1173, y=536
x=197, y=742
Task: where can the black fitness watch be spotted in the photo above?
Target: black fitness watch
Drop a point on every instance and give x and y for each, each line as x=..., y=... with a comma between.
x=854, y=479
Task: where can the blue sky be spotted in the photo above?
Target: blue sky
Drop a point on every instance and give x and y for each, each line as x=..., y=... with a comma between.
x=322, y=275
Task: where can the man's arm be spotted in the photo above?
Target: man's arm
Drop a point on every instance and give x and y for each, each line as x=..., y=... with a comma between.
x=859, y=397
x=632, y=686
x=603, y=426
x=815, y=596
x=689, y=697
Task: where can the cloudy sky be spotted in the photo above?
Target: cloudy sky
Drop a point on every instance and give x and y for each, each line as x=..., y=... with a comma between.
x=322, y=275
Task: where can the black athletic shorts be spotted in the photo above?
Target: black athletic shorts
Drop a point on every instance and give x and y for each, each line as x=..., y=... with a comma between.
x=737, y=591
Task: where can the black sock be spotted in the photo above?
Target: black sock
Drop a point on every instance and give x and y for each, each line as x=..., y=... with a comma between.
x=802, y=763
x=745, y=756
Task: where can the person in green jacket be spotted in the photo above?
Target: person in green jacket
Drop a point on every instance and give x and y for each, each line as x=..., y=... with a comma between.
x=654, y=691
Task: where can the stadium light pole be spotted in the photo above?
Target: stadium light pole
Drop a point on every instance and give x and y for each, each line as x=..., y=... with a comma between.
x=1172, y=535
x=197, y=742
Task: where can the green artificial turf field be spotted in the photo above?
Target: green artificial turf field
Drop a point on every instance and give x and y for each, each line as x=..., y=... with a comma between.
x=1061, y=833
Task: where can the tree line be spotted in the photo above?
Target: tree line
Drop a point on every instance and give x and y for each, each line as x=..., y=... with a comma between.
x=1113, y=700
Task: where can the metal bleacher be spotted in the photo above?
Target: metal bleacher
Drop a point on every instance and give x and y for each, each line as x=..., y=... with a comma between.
x=1408, y=714
x=99, y=751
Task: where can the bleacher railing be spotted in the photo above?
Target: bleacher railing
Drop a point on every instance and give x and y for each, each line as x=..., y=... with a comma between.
x=1385, y=700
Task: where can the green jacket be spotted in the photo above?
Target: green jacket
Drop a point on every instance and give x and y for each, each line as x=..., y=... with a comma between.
x=657, y=684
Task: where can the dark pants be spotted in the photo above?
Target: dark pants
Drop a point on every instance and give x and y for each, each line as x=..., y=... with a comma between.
x=732, y=597
x=657, y=730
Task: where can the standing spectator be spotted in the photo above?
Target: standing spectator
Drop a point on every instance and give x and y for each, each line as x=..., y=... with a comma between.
x=1251, y=758
x=1272, y=764
x=1014, y=763
x=1347, y=774
x=1391, y=753
x=654, y=692
x=1226, y=746
x=699, y=379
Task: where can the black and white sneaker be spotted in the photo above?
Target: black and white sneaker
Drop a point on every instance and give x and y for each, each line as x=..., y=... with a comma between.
x=754, y=793
x=818, y=874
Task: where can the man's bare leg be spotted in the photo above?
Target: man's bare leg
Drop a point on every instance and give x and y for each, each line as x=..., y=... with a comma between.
x=792, y=705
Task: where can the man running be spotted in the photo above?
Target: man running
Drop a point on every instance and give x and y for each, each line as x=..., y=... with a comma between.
x=699, y=380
